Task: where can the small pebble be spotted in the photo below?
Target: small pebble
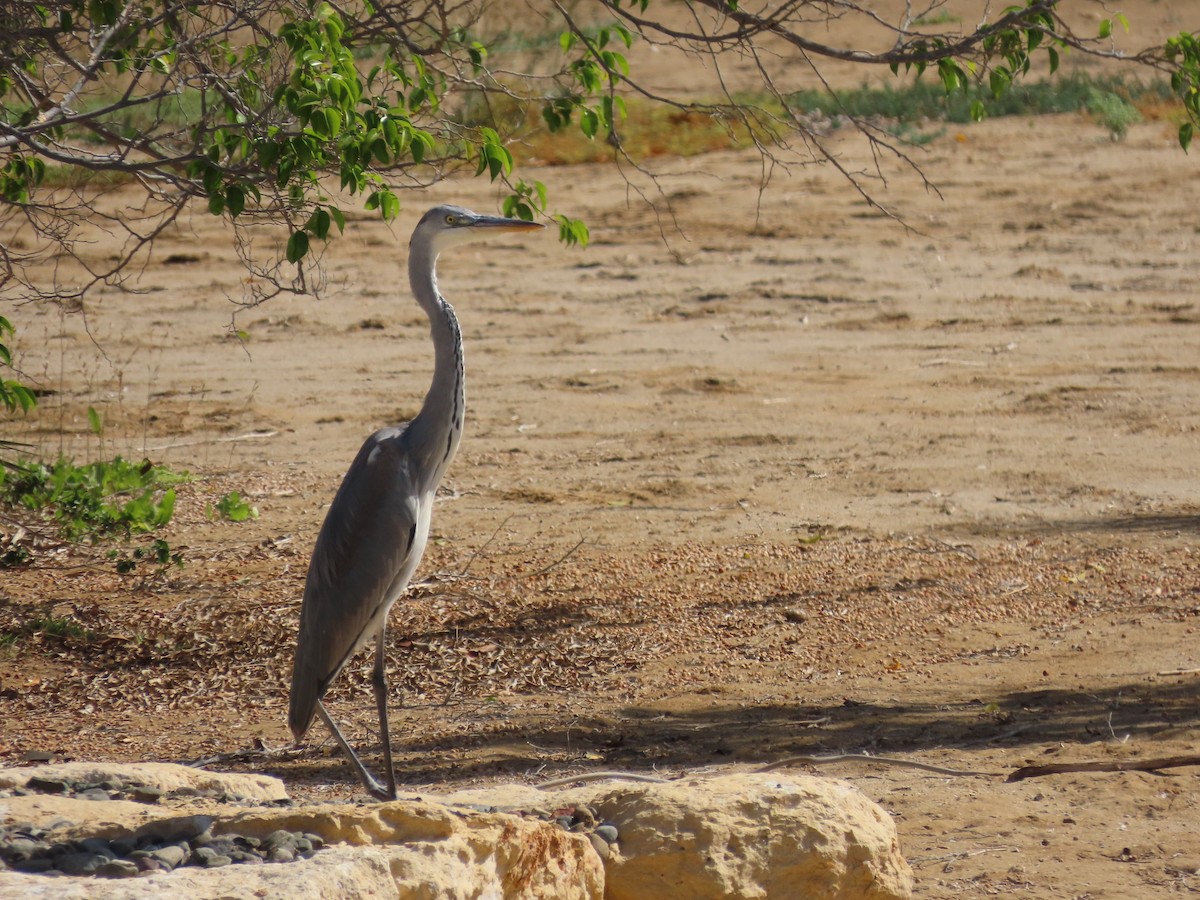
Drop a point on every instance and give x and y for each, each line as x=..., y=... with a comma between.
x=315, y=839
x=608, y=831
x=144, y=793
x=93, y=794
x=217, y=861
x=202, y=855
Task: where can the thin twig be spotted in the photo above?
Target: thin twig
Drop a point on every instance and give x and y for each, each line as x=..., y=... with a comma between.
x=600, y=776
x=1128, y=765
x=865, y=757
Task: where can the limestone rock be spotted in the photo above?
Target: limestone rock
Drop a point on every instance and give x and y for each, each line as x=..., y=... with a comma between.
x=412, y=848
x=736, y=835
x=724, y=836
x=752, y=836
x=165, y=776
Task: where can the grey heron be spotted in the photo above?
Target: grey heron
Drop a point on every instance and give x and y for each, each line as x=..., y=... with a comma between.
x=376, y=528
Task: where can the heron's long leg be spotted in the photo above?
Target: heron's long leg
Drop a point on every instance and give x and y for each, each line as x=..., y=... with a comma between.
x=374, y=788
x=379, y=680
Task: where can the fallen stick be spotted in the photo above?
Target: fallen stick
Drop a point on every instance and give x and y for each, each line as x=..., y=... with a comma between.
x=867, y=758
x=1128, y=765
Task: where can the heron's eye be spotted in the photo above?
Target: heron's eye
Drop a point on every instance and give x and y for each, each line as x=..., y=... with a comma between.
x=451, y=218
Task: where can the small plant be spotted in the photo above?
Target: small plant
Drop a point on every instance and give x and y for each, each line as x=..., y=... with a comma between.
x=61, y=627
x=234, y=508
x=1113, y=112
x=159, y=554
x=97, y=500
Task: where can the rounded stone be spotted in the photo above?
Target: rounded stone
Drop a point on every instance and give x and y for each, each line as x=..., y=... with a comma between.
x=33, y=866
x=118, y=868
x=599, y=844
x=281, y=854
x=201, y=855
x=145, y=793
x=80, y=863
x=279, y=838
x=608, y=831
x=170, y=856
x=20, y=848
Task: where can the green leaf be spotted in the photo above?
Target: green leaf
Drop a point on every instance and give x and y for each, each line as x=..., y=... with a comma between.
x=572, y=232
x=588, y=122
x=318, y=223
x=1105, y=27
x=1186, y=132
x=339, y=218
x=297, y=246
x=94, y=421
x=235, y=200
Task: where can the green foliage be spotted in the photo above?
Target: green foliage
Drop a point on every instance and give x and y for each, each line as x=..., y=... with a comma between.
x=1184, y=52
x=95, y=501
x=235, y=509
x=595, y=72
x=13, y=394
x=19, y=175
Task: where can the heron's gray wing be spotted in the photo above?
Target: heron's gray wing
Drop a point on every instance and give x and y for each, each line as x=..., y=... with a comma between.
x=362, y=560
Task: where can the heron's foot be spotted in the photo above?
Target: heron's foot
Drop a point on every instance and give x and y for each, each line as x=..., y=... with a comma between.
x=379, y=791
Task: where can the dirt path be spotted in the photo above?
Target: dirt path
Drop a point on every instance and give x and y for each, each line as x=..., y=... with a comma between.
x=800, y=481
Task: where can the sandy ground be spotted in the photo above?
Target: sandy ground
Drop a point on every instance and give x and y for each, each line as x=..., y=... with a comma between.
x=788, y=478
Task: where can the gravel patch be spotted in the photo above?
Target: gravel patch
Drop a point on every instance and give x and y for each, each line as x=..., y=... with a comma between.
x=181, y=842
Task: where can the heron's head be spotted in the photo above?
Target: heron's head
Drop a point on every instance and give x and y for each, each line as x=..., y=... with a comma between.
x=449, y=226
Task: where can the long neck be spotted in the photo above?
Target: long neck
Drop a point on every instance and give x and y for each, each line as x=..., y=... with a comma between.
x=437, y=428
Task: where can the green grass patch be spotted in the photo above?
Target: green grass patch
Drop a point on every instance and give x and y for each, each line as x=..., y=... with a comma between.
x=929, y=100
x=56, y=627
